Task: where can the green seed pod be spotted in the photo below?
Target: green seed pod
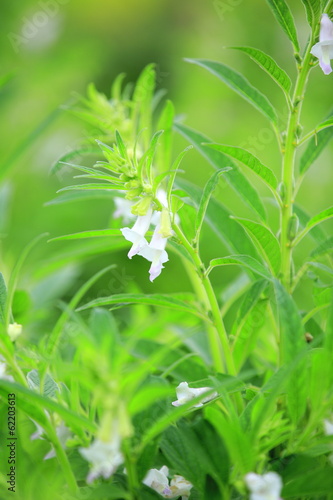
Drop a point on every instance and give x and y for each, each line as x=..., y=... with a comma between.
x=282, y=191
x=299, y=131
x=292, y=227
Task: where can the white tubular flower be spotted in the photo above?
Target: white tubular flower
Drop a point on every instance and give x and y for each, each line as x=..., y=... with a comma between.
x=136, y=235
x=158, y=481
x=186, y=394
x=266, y=487
x=155, y=253
x=180, y=487
x=104, y=457
x=328, y=428
x=323, y=50
x=3, y=370
x=14, y=331
x=63, y=434
x=123, y=209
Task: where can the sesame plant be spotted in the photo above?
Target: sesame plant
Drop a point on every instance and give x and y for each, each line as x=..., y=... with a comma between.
x=221, y=391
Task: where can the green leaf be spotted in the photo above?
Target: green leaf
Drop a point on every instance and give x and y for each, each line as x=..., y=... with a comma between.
x=218, y=217
x=269, y=65
x=313, y=11
x=79, y=187
x=250, y=161
x=207, y=193
x=74, y=196
x=316, y=232
x=315, y=146
x=27, y=399
x=165, y=123
x=285, y=18
x=239, y=84
x=265, y=241
x=59, y=164
x=50, y=386
x=15, y=276
x=242, y=260
x=310, y=483
x=88, y=234
x=3, y=298
x=238, y=443
x=325, y=247
x=235, y=177
x=314, y=221
x=170, y=301
x=292, y=344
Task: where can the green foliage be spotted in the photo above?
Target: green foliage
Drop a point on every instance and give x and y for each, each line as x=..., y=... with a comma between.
x=221, y=375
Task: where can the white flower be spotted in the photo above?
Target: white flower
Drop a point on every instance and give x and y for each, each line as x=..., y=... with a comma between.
x=14, y=331
x=266, y=487
x=104, y=457
x=3, y=370
x=185, y=394
x=180, y=486
x=63, y=433
x=155, y=253
x=323, y=50
x=136, y=235
x=158, y=481
x=328, y=427
x=123, y=209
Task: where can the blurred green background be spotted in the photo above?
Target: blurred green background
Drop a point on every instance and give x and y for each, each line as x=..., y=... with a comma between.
x=52, y=48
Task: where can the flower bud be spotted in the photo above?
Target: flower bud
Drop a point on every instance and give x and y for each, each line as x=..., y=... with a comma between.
x=142, y=206
x=165, y=229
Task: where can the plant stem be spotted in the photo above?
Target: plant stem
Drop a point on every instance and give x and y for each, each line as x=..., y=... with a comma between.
x=288, y=167
x=217, y=335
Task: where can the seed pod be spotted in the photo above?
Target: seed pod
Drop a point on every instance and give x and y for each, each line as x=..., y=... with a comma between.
x=282, y=191
x=292, y=227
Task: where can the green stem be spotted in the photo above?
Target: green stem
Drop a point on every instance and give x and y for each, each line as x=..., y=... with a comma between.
x=217, y=335
x=288, y=167
x=131, y=471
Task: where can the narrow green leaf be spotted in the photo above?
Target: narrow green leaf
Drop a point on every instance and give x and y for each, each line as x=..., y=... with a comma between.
x=15, y=276
x=313, y=11
x=206, y=195
x=266, y=242
x=268, y=64
x=3, y=298
x=88, y=234
x=285, y=18
x=239, y=84
x=292, y=344
x=250, y=161
x=173, y=174
x=32, y=398
x=325, y=247
x=165, y=123
x=310, y=483
x=123, y=299
x=80, y=187
x=314, y=221
x=315, y=146
x=242, y=260
x=218, y=218
x=58, y=165
x=73, y=196
x=218, y=160
x=316, y=232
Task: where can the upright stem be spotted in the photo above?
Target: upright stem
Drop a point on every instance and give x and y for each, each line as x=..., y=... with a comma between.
x=288, y=167
x=217, y=335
